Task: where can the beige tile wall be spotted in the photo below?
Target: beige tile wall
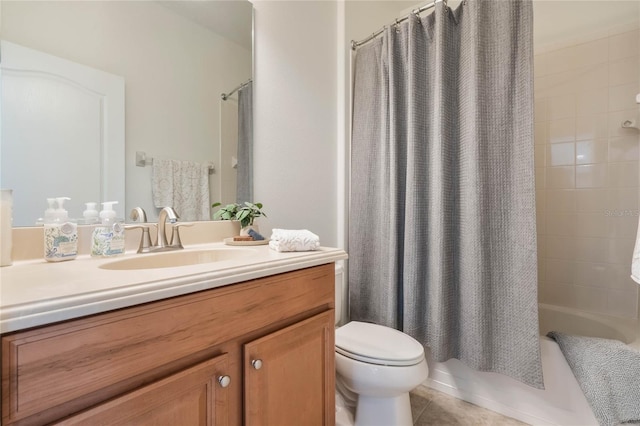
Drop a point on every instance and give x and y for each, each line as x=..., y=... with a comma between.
x=587, y=177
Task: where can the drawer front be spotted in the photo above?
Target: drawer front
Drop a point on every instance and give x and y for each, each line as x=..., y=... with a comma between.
x=192, y=397
x=56, y=370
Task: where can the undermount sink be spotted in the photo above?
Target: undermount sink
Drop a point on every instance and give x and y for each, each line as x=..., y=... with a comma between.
x=177, y=258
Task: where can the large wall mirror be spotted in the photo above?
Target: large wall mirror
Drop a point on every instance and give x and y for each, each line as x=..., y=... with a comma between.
x=174, y=58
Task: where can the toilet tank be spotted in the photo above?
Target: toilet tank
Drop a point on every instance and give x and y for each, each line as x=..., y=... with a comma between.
x=341, y=296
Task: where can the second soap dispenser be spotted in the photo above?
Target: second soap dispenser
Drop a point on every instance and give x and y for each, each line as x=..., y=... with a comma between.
x=108, y=237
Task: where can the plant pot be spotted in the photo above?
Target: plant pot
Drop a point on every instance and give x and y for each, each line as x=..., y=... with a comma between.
x=245, y=231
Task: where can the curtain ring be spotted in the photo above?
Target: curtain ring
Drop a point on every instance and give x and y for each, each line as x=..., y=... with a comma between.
x=416, y=13
x=446, y=8
x=397, y=25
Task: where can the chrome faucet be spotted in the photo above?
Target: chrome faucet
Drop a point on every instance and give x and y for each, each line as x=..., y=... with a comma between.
x=165, y=213
x=162, y=240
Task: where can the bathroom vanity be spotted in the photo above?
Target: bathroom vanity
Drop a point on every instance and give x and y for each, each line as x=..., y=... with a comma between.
x=243, y=341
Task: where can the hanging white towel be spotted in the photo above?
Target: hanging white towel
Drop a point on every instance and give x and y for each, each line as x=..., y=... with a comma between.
x=635, y=261
x=183, y=185
x=293, y=240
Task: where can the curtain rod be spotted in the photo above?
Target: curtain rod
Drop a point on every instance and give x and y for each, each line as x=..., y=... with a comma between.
x=356, y=44
x=225, y=96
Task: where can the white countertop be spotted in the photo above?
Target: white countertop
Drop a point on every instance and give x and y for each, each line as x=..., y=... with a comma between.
x=36, y=292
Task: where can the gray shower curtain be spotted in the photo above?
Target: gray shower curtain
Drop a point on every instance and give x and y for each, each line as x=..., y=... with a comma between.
x=442, y=240
x=244, y=188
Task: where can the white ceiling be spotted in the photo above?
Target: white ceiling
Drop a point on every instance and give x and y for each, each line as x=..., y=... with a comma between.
x=231, y=19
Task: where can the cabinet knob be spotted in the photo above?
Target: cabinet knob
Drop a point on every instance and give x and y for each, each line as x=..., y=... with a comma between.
x=224, y=381
x=257, y=364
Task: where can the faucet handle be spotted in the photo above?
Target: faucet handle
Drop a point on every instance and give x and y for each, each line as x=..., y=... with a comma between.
x=175, y=233
x=138, y=214
x=145, y=240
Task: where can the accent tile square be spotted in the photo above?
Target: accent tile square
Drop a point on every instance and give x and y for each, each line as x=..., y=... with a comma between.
x=561, y=154
x=593, y=151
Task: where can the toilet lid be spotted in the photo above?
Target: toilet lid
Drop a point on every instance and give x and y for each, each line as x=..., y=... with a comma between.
x=377, y=344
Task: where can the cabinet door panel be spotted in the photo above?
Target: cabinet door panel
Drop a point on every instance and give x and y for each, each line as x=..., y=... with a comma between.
x=295, y=383
x=192, y=397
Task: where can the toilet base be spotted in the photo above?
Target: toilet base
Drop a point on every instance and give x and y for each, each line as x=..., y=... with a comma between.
x=376, y=411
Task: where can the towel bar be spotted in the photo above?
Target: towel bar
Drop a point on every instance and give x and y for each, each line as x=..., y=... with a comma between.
x=142, y=160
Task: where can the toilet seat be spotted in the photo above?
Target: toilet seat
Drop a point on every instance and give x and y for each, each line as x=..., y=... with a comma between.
x=377, y=344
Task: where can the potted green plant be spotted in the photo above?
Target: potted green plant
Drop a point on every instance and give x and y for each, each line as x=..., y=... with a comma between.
x=244, y=213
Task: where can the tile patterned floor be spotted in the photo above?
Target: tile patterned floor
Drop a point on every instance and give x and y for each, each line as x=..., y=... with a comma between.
x=430, y=407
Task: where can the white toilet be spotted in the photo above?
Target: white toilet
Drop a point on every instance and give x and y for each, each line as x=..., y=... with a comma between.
x=376, y=367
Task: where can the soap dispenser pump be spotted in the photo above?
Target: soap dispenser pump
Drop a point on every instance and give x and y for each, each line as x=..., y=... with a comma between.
x=90, y=214
x=108, y=238
x=60, y=233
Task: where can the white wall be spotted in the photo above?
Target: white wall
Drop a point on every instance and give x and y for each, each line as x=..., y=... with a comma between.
x=295, y=123
x=174, y=70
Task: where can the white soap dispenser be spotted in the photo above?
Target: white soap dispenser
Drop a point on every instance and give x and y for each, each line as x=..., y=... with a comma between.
x=108, y=238
x=60, y=233
x=90, y=215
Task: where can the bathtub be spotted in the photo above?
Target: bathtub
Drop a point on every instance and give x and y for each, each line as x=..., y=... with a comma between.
x=562, y=402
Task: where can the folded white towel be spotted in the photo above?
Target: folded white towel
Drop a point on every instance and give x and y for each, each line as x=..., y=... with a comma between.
x=294, y=240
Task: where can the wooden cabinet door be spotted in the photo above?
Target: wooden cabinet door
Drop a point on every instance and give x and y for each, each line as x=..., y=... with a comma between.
x=188, y=398
x=290, y=375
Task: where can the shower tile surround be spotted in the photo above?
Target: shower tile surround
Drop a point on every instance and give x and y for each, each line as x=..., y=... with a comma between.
x=587, y=177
